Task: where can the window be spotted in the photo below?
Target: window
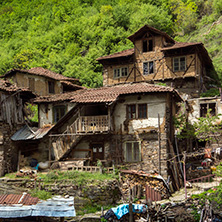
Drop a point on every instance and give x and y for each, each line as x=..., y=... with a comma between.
x=58, y=112
x=142, y=111
x=131, y=111
x=137, y=111
x=179, y=64
x=51, y=87
x=206, y=106
x=120, y=72
x=148, y=68
x=32, y=84
x=147, y=45
x=132, y=152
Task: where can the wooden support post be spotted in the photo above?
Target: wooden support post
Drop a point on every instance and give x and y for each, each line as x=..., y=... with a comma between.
x=184, y=172
x=50, y=153
x=130, y=206
x=159, y=139
x=19, y=160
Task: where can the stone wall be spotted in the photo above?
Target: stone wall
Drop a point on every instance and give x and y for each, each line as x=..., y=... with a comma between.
x=100, y=193
x=8, y=149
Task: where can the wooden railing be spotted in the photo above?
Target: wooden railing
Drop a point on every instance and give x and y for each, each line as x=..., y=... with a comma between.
x=82, y=125
x=87, y=124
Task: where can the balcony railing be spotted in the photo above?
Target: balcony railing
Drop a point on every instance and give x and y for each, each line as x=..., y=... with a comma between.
x=86, y=124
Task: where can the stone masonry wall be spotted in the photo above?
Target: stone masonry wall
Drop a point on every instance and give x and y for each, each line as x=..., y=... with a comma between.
x=8, y=149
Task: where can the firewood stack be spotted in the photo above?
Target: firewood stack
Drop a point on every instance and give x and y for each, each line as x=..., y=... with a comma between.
x=137, y=181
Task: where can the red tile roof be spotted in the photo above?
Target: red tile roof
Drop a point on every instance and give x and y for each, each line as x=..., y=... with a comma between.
x=181, y=45
x=146, y=28
x=25, y=199
x=67, y=83
x=107, y=94
x=124, y=53
x=9, y=87
x=41, y=72
x=48, y=73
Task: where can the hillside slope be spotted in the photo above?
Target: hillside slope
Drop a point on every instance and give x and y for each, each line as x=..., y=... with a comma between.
x=66, y=36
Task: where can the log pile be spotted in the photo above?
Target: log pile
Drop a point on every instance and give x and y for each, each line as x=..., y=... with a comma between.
x=136, y=182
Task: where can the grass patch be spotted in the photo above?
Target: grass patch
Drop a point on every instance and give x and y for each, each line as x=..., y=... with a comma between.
x=41, y=194
x=92, y=208
x=77, y=177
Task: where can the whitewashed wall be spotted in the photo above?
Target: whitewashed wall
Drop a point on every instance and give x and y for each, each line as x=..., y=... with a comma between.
x=155, y=105
x=47, y=117
x=195, y=107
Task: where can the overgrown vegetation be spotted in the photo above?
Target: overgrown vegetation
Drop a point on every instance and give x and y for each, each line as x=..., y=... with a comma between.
x=204, y=128
x=214, y=195
x=41, y=194
x=77, y=177
x=67, y=36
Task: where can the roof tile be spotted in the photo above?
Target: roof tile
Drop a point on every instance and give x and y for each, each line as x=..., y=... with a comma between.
x=124, y=53
x=106, y=94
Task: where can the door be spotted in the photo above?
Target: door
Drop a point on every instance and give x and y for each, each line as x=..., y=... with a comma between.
x=98, y=152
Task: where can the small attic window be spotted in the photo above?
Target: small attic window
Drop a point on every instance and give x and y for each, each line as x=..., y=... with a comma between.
x=148, y=45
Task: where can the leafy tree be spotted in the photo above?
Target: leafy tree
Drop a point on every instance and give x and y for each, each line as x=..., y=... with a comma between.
x=207, y=128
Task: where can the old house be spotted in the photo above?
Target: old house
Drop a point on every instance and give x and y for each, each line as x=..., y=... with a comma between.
x=42, y=81
x=12, y=117
x=156, y=57
x=123, y=124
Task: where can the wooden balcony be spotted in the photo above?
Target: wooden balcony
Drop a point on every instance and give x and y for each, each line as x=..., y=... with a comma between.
x=92, y=124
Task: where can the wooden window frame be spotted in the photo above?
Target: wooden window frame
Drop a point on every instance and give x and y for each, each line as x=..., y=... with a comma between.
x=137, y=113
x=132, y=160
x=51, y=87
x=213, y=112
x=148, y=72
x=120, y=72
x=55, y=109
x=146, y=45
x=31, y=82
x=180, y=69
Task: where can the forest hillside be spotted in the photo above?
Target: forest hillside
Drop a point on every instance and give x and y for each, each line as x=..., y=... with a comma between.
x=66, y=36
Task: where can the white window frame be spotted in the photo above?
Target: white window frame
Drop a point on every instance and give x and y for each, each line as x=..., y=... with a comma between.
x=120, y=72
x=179, y=64
x=148, y=65
x=125, y=151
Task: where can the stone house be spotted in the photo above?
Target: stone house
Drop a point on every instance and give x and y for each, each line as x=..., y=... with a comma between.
x=123, y=124
x=12, y=117
x=42, y=81
x=156, y=57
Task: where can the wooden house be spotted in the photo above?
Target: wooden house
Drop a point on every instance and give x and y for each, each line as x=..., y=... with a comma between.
x=42, y=81
x=12, y=117
x=156, y=57
x=123, y=124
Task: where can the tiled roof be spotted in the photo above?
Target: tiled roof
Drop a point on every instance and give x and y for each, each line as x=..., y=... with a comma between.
x=67, y=83
x=110, y=94
x=124, y=53
x=105, y=94
x=41, y=72
x=67, y=96
x=25, y=199
x=181, y=45
x=45, y=72
x=146, y=28
x=9, y=87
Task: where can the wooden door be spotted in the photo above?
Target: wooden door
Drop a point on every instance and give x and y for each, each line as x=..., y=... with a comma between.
x=98, y=152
